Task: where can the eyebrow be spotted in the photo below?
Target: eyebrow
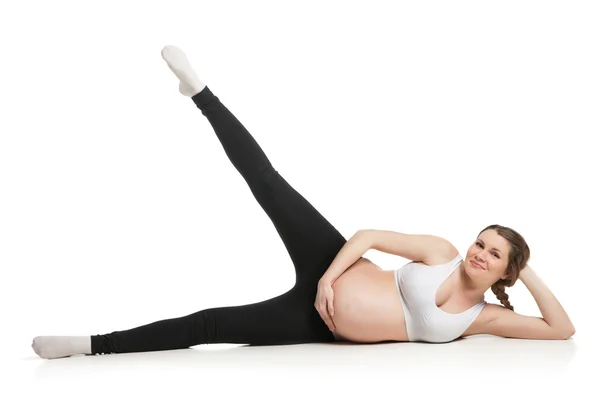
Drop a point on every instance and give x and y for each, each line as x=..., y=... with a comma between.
x=493, y=248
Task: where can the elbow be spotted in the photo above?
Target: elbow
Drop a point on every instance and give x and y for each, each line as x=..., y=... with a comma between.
x=568, y=334
x=364, y=235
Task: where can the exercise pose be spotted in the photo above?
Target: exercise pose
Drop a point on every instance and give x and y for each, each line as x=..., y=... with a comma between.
x=340, y=295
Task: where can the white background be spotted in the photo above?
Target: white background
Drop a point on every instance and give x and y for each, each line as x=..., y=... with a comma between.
x=118, y=206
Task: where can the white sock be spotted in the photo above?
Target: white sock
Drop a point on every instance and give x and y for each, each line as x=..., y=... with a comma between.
x=61, y=346
x=189, y=83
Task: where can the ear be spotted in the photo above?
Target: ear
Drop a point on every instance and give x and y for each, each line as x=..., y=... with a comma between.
x=505, y=276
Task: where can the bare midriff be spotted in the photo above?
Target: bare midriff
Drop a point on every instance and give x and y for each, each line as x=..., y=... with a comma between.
x=367, y=306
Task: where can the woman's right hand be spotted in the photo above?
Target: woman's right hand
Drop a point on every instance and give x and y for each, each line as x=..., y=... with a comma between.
x=324, y=303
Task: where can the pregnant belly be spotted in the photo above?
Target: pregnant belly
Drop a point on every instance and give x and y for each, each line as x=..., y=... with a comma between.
x=367, y=306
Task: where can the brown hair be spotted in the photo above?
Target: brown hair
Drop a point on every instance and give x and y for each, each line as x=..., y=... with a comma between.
x=518, y=256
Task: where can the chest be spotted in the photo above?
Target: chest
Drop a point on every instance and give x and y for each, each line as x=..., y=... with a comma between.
x=427, y=287
x=449, y=299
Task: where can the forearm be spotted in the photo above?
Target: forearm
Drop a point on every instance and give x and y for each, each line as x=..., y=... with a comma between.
x=552, y=311
x=354, y=249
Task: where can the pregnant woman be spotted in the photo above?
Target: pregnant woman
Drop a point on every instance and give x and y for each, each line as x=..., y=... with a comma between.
x=340, y=295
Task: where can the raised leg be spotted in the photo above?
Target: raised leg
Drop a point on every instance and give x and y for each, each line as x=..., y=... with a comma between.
x=309, y=238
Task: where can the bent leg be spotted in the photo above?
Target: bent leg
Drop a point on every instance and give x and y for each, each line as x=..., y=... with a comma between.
x=309, y=238
x=286, y=319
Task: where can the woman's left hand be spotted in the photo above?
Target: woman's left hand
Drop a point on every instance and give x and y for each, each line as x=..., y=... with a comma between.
x=324, y=303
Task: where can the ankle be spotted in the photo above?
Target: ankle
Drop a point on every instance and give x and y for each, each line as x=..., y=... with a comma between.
x=82, y=344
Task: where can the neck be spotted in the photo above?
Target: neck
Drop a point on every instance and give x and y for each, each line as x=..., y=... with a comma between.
x=471, y=289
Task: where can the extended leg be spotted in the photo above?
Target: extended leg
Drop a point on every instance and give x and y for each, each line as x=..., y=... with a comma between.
x=286, y=319
x=290, y=318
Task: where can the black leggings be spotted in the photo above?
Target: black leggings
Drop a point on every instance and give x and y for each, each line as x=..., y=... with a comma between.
x=311, y=241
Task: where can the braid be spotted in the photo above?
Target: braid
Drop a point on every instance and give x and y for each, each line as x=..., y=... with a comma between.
x=498, y=290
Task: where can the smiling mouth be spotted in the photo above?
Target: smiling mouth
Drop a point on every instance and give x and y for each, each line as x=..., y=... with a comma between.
x=476, y=265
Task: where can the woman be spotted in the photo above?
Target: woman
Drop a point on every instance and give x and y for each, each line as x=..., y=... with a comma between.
x=435, y=299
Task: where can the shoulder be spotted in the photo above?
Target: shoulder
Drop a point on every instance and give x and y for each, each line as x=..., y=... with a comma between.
x=445, y=253
x=489, y=313
x=480, y=325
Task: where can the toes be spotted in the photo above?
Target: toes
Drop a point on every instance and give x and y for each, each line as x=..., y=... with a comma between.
x=165, y=52
x=170, y=49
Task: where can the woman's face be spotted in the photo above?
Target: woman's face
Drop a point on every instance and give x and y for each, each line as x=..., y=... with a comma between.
x=490, y=251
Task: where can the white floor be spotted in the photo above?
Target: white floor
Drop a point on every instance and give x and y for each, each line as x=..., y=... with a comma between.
x=480, y=366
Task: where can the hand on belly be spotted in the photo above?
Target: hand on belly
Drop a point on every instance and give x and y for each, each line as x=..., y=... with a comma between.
x=324, y=303
x=367, y=307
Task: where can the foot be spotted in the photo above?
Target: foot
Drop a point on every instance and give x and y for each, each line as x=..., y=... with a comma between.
x=61, y=346
x=189, y=83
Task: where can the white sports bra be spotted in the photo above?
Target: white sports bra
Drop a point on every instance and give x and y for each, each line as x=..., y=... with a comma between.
x=417, y=286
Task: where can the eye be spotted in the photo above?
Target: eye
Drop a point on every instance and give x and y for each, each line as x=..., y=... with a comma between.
x=495, y=254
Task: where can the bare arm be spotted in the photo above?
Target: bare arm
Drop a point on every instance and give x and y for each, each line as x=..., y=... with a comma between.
x=354, y=249
x=551, y=309
x=416, y=247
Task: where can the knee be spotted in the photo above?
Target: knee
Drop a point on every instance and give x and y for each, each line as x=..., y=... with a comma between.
x=265, y=179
